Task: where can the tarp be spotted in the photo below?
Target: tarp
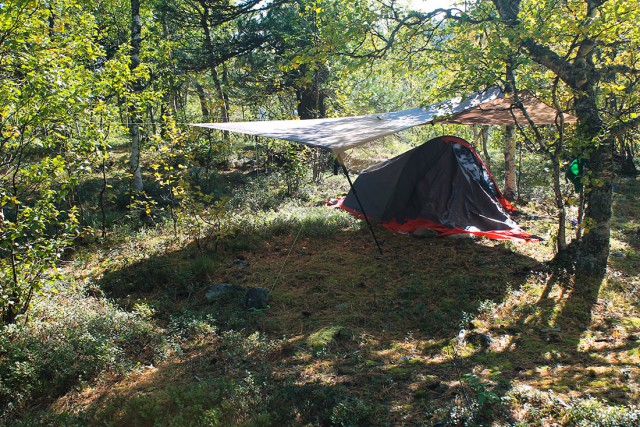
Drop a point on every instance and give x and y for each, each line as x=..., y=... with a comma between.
x=442, y=185
x=502, y=111
x=340, y=134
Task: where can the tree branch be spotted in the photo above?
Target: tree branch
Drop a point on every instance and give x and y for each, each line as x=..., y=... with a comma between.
x=508, y=11
x=414, y=19
x=619, y=69
x=624, y=127
x=550, y=59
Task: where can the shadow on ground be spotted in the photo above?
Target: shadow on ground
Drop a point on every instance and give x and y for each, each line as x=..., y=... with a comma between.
x=354, y=338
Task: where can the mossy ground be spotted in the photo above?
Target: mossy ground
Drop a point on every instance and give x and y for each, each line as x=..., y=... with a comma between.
x=433, y=331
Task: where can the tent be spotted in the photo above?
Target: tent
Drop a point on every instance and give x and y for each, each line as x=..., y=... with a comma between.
x=479, y=205
x=442, y=185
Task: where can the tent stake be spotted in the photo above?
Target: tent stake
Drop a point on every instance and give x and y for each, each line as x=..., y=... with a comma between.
x=366, y=218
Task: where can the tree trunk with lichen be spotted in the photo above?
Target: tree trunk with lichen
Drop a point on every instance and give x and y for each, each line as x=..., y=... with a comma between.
x=593, y=250
x=581, y=75
x=509, y=152
x=134, y=114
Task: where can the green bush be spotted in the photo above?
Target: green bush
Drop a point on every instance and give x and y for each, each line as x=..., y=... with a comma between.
x=67, y=342
x=589, y=412
x=594, y=413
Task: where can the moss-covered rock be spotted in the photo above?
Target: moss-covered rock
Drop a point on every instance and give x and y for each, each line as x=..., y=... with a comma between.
x=327, y=336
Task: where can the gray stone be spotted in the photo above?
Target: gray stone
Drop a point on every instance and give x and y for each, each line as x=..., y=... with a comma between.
x=343, y=306
x=257, y=298
x=617, y=255
x=241, y=262
x=217, y=291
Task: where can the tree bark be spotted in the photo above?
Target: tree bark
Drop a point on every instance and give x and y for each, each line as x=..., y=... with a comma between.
x=310, y=103
x=556, y=156
x=311, y=96
x=204, y=102
x=484, y=136
x=562, y=212
x=580, y=74
x=223, y=102
x=509, y=152
x=134, y=114
x=594, y=248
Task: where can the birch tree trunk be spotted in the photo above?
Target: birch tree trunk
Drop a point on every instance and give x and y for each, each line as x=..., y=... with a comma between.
x=484, y=136
x=509, y=151
x=509, y=163
x=134, y=114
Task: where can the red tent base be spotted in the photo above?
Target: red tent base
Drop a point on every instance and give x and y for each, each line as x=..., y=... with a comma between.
x=411, y=225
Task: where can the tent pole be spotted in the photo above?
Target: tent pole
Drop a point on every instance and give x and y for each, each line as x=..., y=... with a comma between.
x=366, y=218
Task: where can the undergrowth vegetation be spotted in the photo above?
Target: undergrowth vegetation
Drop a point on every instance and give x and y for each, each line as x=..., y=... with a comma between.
x=69, y=341
x=457, y=332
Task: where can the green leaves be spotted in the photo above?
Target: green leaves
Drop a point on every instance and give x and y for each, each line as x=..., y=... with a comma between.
x=50, y=111
x=32, y=238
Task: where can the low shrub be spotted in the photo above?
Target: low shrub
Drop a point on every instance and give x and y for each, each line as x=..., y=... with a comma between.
x=67, y=342
x=537, y=406
x=595, y=413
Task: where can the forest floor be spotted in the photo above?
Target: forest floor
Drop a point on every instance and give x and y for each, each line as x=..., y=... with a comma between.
x=436, y=331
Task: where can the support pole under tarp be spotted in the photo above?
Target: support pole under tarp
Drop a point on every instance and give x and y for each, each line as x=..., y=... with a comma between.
x=364, y=214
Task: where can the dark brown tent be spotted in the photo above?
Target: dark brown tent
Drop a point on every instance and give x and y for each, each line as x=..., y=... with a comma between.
x=441, y=185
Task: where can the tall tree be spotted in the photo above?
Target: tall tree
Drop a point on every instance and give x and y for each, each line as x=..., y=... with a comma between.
x=306, y=51
x=134, y=111
x=597, y=45
x=509, y=151
x=214, y=32
x=588, y=45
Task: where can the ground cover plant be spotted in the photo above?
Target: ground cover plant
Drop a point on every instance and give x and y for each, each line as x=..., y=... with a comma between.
x=433, y=332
